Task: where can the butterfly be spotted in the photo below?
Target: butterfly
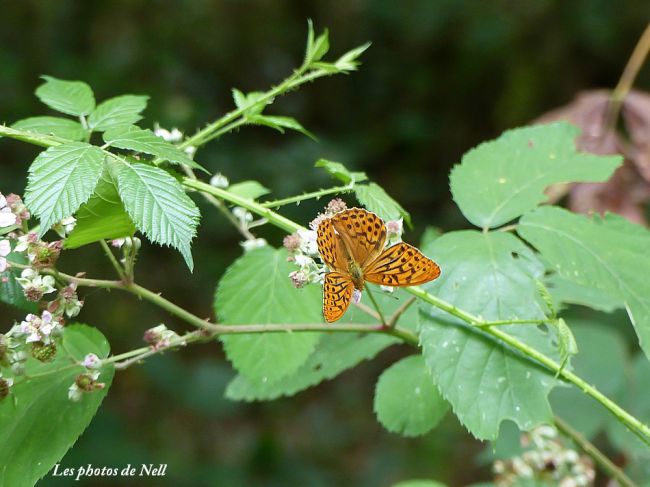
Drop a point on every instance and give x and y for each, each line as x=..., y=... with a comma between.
x=351, y=243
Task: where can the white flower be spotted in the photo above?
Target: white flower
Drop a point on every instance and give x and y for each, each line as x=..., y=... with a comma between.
x=308, y=243
x=68, y=224
x=30, y=278
x=174, y=135
x=190, y=150
x=5, y=250
x=7, y=218
x=254, y=243
x=24, y=241
x=242, y=214
x=219, y=181
x=39, y=328
x=74, y=393
x=303, y=260
x=91, y=361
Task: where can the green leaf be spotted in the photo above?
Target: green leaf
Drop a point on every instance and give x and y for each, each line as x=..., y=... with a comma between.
x=61, y=179
x=11, y=292
x=502, y=179
x=143, y=140
x=493, y=276
x=340, y=172
x=60, y=127
x=406, y=399
x=610, y=254
x=103, y=217
x=248, y=189
x=565, y=291
x=118, y=111
x=606, y=371
x=71, y=97
x=158, y=206
x=256, y=289
x=250, y=102
x=349, y=61
x=567, y=345
x=334, y=354
x=39, y=426
x=375, y=199
x=316, y=48
x=280, y=123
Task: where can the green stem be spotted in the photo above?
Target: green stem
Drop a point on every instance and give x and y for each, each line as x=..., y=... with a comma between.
x=306, y=196
x=605, y=464
x=640, y=429
x=376, y=306
x=109, y=253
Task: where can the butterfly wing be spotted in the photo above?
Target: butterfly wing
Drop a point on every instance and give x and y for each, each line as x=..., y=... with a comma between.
x=337, y=293
x=330, y=247
x=362, y=232
x=401, y=265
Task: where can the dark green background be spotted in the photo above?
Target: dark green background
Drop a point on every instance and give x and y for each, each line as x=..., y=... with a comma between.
x=440, y=77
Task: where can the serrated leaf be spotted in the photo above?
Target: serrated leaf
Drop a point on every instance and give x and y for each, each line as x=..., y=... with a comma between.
x=61, y=179
x=103, y=217
x=319, y=47
x=248, y=189
x=502, y=179
x=493, y=276
x=11, y=292
x=158, y=206
x=256, y=289
x=144, y=140
x=340, y=172
x=60, y=127
x=118, y=111
x=375, y=199
x=41, y=424
x=334, y=354
x=280, y=123
x=610, y=254
x=71, y=97
x=406, y=399
x=249, y=102
x=349, y=61
x=606, y=371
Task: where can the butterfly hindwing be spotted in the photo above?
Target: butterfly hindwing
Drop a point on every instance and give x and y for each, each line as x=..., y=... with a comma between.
x=337, y=293
x=401, y=265
x=362, y=232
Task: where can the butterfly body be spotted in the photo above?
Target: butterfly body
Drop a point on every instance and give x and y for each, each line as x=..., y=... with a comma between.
x=351, y=243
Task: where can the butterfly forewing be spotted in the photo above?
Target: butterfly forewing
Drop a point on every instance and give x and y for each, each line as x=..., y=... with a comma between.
x=363, y=233
x=330, y=247
x=337, y=293
x=401, y=265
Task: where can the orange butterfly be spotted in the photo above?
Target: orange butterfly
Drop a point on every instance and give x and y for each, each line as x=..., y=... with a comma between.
x=351, y=243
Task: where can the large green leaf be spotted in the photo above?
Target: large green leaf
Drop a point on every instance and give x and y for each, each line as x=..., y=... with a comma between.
x=570, y=292
x=144, y=140
x=11, y=292
x=335, y=353
x=61, y=127
x=502, y=179
x=486, y=381
x=61, y=179
x=610, y=254
x=256, y=289
x=71, y=97
x=118, y=111
x=606, y=371
x=103, y=217
x=375, y=199
x=39, y=424
x=158, y=206
x=406, y=399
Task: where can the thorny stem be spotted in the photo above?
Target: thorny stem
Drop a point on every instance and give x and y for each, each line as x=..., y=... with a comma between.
x=605, y=464
x=111, y=257
x=307, y=196
x=626, y=82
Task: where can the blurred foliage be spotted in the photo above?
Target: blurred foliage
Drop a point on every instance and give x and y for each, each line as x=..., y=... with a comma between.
x=439, y=78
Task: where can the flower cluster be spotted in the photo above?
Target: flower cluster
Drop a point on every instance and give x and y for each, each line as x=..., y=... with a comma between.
x=546, y=459
x=174, y=136
x=39, y=253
